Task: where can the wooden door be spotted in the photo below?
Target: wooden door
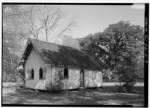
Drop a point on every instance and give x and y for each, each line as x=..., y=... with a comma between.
x=82, y=78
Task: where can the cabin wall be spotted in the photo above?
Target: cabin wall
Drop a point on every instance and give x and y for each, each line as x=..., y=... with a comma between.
x=34, y=61
x=55, y=76
x=93, y=78
x=73, y=81
x=58, y=81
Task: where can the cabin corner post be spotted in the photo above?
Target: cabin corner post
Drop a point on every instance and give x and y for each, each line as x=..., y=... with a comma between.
x=51, y=84
x=101, y=79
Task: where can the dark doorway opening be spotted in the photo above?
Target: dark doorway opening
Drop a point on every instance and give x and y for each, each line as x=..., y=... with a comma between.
x=66, y=73
x=82, y=78
x=41, y=76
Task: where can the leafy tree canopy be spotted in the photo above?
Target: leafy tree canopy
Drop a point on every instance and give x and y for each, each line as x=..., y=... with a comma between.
x=120, y=47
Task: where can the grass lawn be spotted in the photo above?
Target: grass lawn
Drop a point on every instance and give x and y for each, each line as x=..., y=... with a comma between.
x=102, y=96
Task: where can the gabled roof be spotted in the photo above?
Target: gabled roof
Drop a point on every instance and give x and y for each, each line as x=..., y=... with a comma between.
x=61, y=55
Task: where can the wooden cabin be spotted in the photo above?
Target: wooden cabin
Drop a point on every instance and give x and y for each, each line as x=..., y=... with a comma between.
x=49, y=66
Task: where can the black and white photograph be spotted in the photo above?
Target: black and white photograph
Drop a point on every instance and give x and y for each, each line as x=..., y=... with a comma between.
x=72, y=54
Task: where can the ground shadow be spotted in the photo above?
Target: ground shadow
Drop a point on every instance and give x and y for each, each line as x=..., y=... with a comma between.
x=75, y=97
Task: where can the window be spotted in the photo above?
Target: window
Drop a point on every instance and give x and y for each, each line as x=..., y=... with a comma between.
x=66, y=73
x=42, y=74
x=30, y=74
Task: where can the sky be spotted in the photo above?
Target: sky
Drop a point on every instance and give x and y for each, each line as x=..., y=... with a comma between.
x=90, y=19
x=95, y=18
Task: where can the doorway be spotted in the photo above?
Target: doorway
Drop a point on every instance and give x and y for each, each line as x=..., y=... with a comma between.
x=82, y=78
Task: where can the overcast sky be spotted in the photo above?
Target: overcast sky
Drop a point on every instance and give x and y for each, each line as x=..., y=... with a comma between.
x=95, y=18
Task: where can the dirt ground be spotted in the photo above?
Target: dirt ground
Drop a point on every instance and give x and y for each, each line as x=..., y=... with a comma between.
x=101, y=96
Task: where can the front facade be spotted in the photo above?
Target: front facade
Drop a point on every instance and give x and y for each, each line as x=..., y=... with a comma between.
x=40, y=74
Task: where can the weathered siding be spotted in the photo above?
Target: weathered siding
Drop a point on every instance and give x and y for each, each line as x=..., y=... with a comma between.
x=93, y=78
x=58, y=81
x=34, y=61
x=49, y=78
x=99, y=79
x=73, y=81
x=57, y=78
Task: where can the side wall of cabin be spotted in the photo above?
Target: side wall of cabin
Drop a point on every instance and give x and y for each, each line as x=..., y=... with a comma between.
x=91, y=78
x=73, y=81
x=59, y=82
x=55, y=76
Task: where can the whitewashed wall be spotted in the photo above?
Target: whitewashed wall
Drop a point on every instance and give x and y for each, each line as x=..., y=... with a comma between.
x=93, y=78
x=59, y=82
x=57, y=78
x=74, y=79
x=34, y=61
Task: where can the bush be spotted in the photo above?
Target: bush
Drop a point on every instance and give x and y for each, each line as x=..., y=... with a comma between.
x=128, y=87
x=9, y=77
x=127, y=76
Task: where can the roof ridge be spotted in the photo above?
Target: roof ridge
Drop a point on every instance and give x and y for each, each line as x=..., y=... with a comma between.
x=47, y=42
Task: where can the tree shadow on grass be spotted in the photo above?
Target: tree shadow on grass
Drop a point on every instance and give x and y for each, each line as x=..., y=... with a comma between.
x=78, y=97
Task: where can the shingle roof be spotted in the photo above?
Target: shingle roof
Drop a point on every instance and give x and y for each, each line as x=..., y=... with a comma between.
x=64, y=55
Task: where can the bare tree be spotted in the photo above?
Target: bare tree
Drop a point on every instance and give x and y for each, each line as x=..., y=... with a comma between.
x=49, y=19
x=66, y=28
x=33, y=29
x=35, y=20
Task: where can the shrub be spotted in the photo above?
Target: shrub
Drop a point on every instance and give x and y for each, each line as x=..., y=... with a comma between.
x=127, y=76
